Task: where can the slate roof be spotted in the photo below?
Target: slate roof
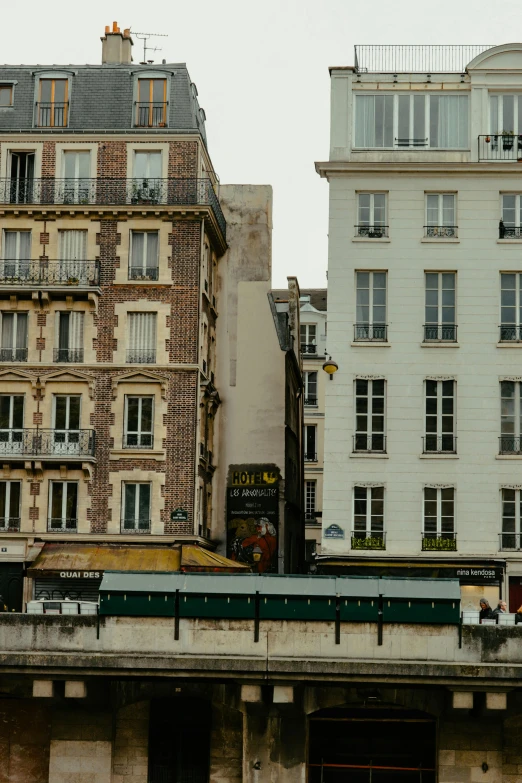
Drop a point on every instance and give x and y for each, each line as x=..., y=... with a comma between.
x=102, y=97
x=318, y=296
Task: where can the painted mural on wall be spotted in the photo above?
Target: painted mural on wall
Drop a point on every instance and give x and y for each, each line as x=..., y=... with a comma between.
x=253, y=516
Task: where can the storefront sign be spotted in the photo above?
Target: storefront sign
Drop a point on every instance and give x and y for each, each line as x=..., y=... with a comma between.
x=253, y=516
x=334, y=531
x=67, y=575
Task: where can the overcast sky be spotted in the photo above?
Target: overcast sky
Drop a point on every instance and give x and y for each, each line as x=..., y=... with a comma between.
x=262, y=76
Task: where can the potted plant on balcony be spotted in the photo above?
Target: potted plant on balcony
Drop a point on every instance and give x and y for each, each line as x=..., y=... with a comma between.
x=72, y=281
x=508, y=139
x=144, y=193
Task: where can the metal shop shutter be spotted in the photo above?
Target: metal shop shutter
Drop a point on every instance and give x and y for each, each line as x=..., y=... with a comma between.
x=75, y=589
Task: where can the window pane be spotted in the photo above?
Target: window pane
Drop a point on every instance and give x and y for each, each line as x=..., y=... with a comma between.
x=508, y=113
x=404, y=117
x=144, y=503
x=419, y=120
x=56, y=499
x=5, y=95
x=72, y=496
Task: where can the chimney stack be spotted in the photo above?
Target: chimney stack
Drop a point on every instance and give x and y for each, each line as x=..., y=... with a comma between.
x=116, y=46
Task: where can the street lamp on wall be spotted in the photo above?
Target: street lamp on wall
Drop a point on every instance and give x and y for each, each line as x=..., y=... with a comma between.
x=330, y=367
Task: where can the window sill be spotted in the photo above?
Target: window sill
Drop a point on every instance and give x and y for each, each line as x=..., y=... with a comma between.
x=372, y=240
x=368, y=455
x=442, y=344
x=438, y=456
x=137, y=453
x=370, y=344
x=513, y=241
x=508, y=456
x=510, y=344
x=441, y=240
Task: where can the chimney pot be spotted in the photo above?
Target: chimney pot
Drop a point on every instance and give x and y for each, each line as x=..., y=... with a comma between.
x=115, y=27
x=116, y=46
x=107, y=29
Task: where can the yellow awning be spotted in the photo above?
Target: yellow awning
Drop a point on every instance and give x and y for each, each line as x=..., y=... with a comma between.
x=105, y=557
x=194, y=558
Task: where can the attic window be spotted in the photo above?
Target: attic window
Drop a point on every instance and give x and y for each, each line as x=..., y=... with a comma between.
x=6, y=95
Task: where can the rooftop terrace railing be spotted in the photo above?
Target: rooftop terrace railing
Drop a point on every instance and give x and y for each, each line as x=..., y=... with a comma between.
x=387, y=58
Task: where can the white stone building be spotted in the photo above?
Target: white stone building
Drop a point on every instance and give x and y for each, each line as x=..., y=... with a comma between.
x=423, y=442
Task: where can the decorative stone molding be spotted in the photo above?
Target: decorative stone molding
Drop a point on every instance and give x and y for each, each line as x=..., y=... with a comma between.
x=139, y=376
x=440, y=378
x=34, y=471
x=439, y=486
x=370, y=377
x=67, y=376
x=369, y=484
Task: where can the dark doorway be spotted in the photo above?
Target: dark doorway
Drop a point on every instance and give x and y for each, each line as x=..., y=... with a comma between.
x=11, y=585
x=179, y=741
x=515, y=593
x=363, y=746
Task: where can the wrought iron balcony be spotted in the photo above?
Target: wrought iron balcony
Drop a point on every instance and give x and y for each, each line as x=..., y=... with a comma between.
x=143, y=273
x=370, y=332
x=13, y=354
x=440, y=333
x=113, y=192
x=62, y=524
x=510, y=444
x=51, y=115
x=416, y=58
x=511, y=541
x=46, y=272
x=509, y=232
x=436, y=542
x=310, y=516
x=510, y=333
x=439, y=444
x=46, y=443
x=135, y=525
x=368, y=540
x=371, y=232
x=68, y=355
x=309, y=348
x=310, y=456
x=441, y=232
x=411, y=142
x=365, y=442
x=500, y=147
x=151, y=115
x=141, y=356
x=9, y=524
x=311, y=402
x=135, y=440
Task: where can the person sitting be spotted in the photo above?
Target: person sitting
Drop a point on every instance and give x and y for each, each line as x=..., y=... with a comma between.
x=501, y=608
x=486, y=612
x=518, y=616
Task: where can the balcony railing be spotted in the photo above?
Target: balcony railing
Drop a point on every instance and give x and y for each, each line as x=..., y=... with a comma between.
x=370, y=332
x=68, y=355
x=440, y=333
x=441, y=232
x=46, y=443
x=311, y=402
x=500, y=147
x=136, y=440
x=47, y=272
x=368, y=540
x=510, y=333
x=143, y=273
x=309, y=348
x=113, y=192
x=371, y=232
x=13, y=354
x=436, y=542
x=9, y=524
x=51, y=115
x=509, y=232
x=310, y=516
x=59, y=524
x=310, y=456
x=511, y=541
x=135, y=525
x=151, y=115
x=439, y=444
x=417, y=58
x=510, y=444
x=411, y=142
x=369, y=442
x=141, y=356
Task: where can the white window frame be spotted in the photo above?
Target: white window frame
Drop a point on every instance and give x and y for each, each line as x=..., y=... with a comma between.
x=370, y=324
x=516, y=534
x=372, y=223
x=369, y=533
x=516, y=436
x=136, y=263
x=440, y=416
x=450, y=335
x=4, y=521
x=369, y=433
x=306, y=382
x=16, y=315
x=513, y=230
x=440, y=229
x=497, y=124
x=140, y=432
x=438, y=533
x=395, y=133
x=65, y=495
x=516, y=326
x=308, y=329
x=138, y=485
x=314, y=452
x=310, y=484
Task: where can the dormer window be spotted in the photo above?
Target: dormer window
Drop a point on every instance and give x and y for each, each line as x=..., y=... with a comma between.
x=151, y=106
x=6, y=95
x=52, y=109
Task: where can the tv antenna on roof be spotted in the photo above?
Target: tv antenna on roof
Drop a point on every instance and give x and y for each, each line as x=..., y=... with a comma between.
x=145, y=37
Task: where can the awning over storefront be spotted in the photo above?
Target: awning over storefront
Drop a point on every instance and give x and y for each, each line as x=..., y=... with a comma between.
x=467, y=572
x=85, y=561
x=194, y=558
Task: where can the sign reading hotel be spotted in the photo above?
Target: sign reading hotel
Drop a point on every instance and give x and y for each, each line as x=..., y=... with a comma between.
x=253, y=516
